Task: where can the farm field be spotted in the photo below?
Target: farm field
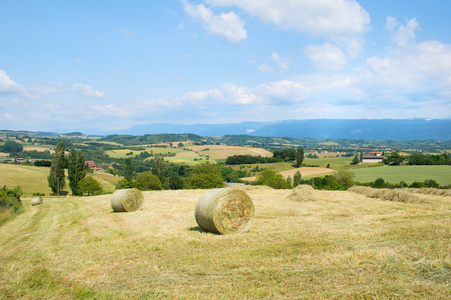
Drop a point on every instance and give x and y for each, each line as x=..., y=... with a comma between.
x=409, y=174
x=31, y=179
x=122, y=153
x=222, y=152
x=305, y=171
x=34, y=179
x=341, y=245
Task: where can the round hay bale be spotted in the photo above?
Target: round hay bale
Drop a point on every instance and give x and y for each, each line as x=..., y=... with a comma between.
x=225, y=211
x=36, y=201
x=301, y=194
x=127, y=200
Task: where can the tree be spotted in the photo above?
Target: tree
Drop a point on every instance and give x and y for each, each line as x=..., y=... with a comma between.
x=394, y=159
x=355, y=160
x=57, y=178
x=158, y=168
x=147, y=181
x=76, y=170
x=89, y=186
x=344, y=179
x=204, y=176
x=175, y=182
x=378, y=183
x=299, y=156
x=180, y=145
x=128, y=172
x=297, y=178
x=431, y=183
x=272, y=179
x=123, y=184
x=12, y=147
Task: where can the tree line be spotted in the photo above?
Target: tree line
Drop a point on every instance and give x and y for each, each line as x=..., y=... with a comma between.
x=279, y=155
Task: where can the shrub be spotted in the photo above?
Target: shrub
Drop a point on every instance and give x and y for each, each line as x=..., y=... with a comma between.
x=89, y=186
x=123, y=184
x=147, y=181
x=10, y=203
x=416, y=184
x=272, y=179
x=431, y=183
x=378, y=183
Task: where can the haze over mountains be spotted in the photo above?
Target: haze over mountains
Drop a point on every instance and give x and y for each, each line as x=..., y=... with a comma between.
x=385, y=129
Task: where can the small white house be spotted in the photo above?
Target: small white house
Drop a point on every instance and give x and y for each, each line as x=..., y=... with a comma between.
x=375, y=159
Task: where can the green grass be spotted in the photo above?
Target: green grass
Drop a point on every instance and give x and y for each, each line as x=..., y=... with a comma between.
x=394, y=174
x=340, y=246
x=31, y=179
x=34, y=179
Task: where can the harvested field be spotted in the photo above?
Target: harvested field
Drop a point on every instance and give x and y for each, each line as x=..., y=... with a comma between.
x=4, y=154
x=222, y=152
x=39, y=149
x=305, y=171
x=343, y=245
x=385, y=194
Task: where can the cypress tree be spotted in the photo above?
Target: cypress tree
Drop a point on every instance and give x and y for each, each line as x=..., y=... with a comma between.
x=57, y=178
x=77, y=170
x=128, y=172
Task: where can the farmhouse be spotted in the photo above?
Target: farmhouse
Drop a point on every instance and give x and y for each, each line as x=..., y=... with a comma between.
x=376, y=159
x=94, y=166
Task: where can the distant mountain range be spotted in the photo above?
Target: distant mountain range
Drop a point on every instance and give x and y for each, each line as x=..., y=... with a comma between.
x=381, y=129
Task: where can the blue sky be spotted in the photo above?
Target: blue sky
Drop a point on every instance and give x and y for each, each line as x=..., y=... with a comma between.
x=109, y=65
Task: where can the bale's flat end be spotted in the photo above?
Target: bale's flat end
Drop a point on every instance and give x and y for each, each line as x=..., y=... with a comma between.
x=127, y=200
x=225, y=211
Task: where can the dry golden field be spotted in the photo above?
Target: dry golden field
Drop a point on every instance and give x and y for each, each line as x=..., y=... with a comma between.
x=305, y=171
x=341, y=245
x=222, y=152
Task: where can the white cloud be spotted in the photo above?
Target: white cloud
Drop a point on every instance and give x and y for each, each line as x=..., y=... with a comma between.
x=320, y=17
x=229, y=25
x=178, y=77
x=263, y=68
x=326, y=57
x=7, y=85
x=87, y=90
x=111, y=110
x=126, y=32
x=391, y=23
x=55, y=109
x=402, y=35
x=282, y=63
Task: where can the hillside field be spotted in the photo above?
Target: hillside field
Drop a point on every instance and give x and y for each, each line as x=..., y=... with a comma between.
x=34, y=179
x=341, y=245
x=409, y=174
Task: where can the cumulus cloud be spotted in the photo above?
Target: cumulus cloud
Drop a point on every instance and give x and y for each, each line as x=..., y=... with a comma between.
x=111, y=110
x=282, y=63
x=263, y=68
x=229, y=25
x=402, y=35
x=9, y=86
x=326, y=57
x=87, y=90
x=320, y=17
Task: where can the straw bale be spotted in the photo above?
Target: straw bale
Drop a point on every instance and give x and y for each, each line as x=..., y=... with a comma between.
x=225, y=211
x=302, y=193
x=127, y=200
x=37, y=201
